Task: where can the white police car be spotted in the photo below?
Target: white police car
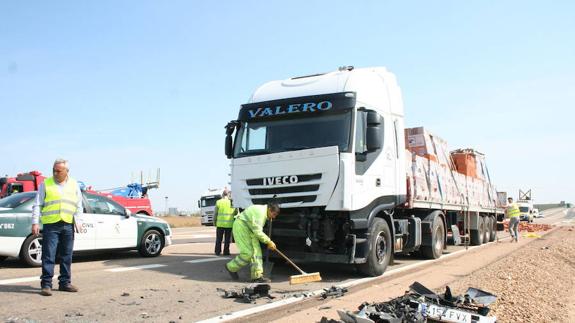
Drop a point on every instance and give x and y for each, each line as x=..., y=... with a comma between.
x=104, y=225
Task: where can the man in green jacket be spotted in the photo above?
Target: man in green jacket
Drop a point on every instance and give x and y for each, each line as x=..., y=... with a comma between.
x=248, y=233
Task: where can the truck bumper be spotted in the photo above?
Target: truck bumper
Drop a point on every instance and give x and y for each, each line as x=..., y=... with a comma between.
x=341, y=258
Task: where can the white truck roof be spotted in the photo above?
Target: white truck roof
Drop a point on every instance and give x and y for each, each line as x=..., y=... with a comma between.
x=366, y=82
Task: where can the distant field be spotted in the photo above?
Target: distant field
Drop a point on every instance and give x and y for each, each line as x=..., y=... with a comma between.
x=182, y=221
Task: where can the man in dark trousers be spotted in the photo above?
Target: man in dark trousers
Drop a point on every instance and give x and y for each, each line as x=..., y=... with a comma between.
x=58, y=202
x=224, y=222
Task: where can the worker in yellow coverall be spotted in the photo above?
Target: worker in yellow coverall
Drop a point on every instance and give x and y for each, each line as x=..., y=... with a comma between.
x=248, y=233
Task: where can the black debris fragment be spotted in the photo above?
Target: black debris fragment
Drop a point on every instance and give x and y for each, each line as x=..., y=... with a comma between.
x=326, y=320
x=420, y=304
x=333, y=291
x=248, y=294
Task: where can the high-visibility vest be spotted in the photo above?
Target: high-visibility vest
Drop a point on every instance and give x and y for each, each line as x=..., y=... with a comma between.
x=225, y=216
x=513, y=210
x=59, y=206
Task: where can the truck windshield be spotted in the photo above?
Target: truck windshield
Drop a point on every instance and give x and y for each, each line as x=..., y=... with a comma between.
x=209, y=201
x=274, y=136
x=524, y=209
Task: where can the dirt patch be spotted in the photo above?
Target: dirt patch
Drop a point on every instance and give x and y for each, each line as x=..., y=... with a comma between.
x=183, y=221
x=534, y=283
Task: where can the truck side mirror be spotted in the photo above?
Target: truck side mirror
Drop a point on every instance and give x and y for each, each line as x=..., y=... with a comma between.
x=199, y=204
x=373, y=119
x=230, y=127
x=374, y=131
x=229, y=146
x=373, y=138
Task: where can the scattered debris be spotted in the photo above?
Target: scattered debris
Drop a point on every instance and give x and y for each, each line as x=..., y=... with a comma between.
x=420, y=304
x=326, y=320
x=333, y=291
x=248, y=294
x=324, y=307
x=125, y=294
x=529, y=227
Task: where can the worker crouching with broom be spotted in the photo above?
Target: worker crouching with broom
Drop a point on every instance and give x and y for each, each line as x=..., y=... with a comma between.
x=248, y=233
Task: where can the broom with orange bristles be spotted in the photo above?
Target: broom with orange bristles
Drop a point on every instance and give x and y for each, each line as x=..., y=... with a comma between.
x=304, y=277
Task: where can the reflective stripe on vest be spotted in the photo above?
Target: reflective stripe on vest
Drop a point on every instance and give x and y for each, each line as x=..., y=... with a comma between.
x=513, y=210
x=225, y=217
x=59, y=206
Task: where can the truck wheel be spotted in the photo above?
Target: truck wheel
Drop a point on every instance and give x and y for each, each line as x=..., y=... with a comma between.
x=152, y=244
x=379, y=252
x=437, y=240
x=477, y=235
x=492, y=231
x=486, y=231
x=31, y=252
x=2, y=258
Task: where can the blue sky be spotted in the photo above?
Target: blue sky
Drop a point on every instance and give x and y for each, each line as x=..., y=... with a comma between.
x=122, y=86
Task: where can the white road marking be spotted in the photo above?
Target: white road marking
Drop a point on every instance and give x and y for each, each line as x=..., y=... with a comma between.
x=19, y=280
x=115, y=270
x=192, y=236
x=197, y=261
x=122, y=269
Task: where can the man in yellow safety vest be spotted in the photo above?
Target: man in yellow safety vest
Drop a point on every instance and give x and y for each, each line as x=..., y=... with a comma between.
x=57, y=204
x=513, y=212
x=248, y=233
x=224, y=222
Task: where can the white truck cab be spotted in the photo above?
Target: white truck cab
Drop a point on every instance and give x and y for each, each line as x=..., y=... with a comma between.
x=207, y=205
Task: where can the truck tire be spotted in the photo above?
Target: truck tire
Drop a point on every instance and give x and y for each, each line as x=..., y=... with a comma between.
x=31, y=252
x=486, y=231
x=477, y=235
x=380, y=248
x=437, y=240
x=152, y=244
x=2, y=258
x=492, y=230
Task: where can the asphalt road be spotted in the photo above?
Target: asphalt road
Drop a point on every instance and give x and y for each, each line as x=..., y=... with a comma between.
x=180, y=285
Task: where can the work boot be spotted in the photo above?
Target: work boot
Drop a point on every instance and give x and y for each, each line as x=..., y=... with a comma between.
x=261, y=280
x=46, y=291
x=234, y=275
x=68, y=288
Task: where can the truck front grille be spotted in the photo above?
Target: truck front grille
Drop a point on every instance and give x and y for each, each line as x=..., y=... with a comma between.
x=283, y=190
x=261, y=190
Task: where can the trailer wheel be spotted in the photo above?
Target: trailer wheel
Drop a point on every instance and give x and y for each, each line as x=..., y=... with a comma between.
x=31, y=252
x=379, y=252
x=487, y=230
x=437, y=240
x=492, y=231
x=477, y=235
